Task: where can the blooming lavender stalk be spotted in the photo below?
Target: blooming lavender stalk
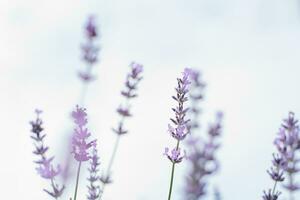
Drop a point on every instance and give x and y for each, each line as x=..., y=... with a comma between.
x=130, y=92
x=45, y=167
x=288, y=145
x=90, y=53
x=202, y=160
x=276, y=174
x=195, y=97
x=180, y=130
x=79, y=141
x=94, y=187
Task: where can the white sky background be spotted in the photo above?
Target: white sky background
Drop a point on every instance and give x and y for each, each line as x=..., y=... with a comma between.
x=248, y=52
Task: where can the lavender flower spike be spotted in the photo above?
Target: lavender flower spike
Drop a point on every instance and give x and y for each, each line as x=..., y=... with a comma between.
x=89, y=50
x=276, y=174
x=179, y=129
x=45, y=167
x=288, y=145
x=94, y=179
x=80, y=144
x=132, y=81
x=202, y=160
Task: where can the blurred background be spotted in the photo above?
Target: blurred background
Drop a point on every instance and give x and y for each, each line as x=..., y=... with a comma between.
x=248, y=52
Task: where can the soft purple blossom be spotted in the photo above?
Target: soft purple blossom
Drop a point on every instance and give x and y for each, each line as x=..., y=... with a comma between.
x=179, y=129
x=202, y=160
x=288, y=146
x=175, y=156
x=94, y=179
x=130, y=91
x=80, y=144
x=45, y=167
x=90, y=50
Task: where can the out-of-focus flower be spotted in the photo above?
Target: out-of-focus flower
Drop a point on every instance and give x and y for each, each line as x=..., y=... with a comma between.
x=94, y=179
x=81, y=134
x=202, y=160
x=90, y=50
x=45, y=167
x=288, y=145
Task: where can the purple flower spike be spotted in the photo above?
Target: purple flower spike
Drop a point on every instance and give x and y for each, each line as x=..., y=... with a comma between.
x=132, y=81
x=45, y=167
x=202, y=160
x=179, y=129
x=81, y=134
x=285, y=162
x=90, y=51
x=288, y=146
x=94, y=188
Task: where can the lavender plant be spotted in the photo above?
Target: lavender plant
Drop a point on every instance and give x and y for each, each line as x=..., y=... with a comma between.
x=45, y=167
x=288, y=146
x=202, y=160
x=132, y=80
x=80, y=142
x=90, y=53
x=180, y=131
x=276, y=174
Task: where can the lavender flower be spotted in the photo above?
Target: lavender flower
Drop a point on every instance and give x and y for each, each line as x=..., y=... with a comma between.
x=202, y=160
x=179, y=129
x=276, y=174
x=45, y=167
x=94, y=188
x=129, y=92
x=81, y=134
x=288, y=145
x=80, y=145
x=90, y=50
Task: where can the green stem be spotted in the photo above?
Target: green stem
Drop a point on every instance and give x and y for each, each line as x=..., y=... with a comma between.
x=172, y=175
x=77, y=181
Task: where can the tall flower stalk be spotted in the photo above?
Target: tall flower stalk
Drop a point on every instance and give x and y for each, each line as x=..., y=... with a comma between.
x=202, y=160
x=80, y=144
x=45, y=167
x=90, y=53
x=94, y=179
x=179, y=129
x=131, y=84
x=288, y=145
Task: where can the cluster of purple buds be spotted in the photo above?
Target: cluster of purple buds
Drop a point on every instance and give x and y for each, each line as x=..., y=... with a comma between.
x=80, y=144
x=179, y=129
x=45, y=167
x=202, y=160
x=90, y=50
x=288, y=145
x=131, y=84
x=94, y=187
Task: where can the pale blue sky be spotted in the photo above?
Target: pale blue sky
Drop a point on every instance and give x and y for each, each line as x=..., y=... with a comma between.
x=248, y=52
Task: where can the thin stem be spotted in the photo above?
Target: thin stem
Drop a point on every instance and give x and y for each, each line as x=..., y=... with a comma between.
x=172, y=175
x=77, y=181
x=111, y=161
